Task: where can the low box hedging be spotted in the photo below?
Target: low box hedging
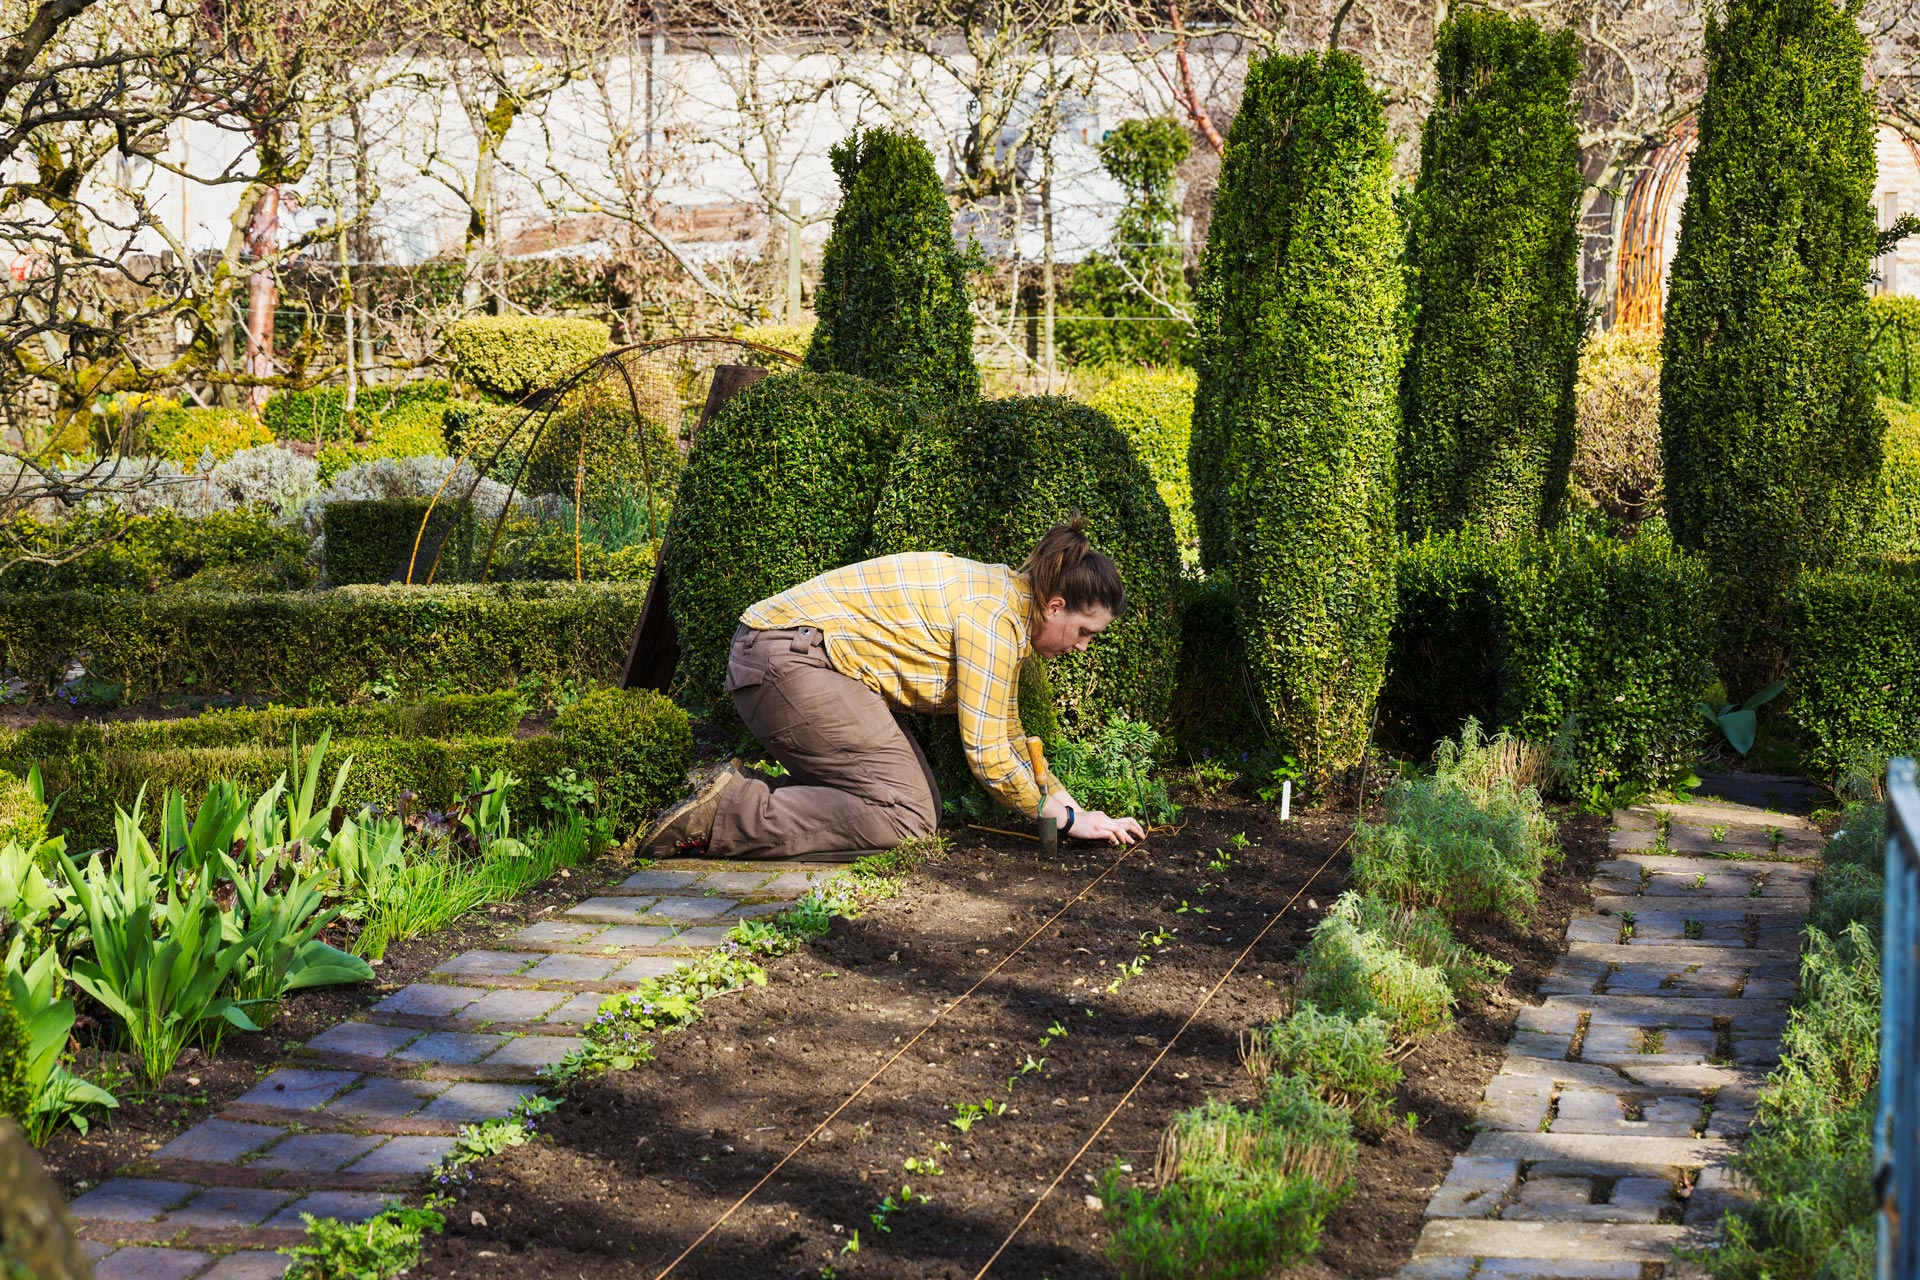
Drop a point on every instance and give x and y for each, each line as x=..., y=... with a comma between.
x=1854, y=682
x=375, y=539
x=23, y=818
x=634, y=746
x=1895, y=526
x=1598, y=646
x=243, y=548
x=332, y=645
x=322, y=411
x=182, y=435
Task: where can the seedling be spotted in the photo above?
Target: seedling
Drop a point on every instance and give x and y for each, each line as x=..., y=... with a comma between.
x=1132, y=969
x=929, y=1167
x=1411, y=1120
x=1158, y=938
x=853, y=1243
x=1026, y=1068
x=904, y=1200
x=1626, y=926
x=968, y=1113
x=1185, y=907
x=1221, y=860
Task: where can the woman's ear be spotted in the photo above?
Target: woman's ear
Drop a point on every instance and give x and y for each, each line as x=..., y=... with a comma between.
x=1055, y=607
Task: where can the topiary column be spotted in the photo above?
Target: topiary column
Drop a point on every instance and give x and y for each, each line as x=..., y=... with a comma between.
x=1487, y=400
x=1295, y=416
x=892, y=302
x=1769, y=431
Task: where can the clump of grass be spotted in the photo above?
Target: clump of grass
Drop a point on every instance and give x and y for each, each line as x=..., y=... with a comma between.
x=1469, y=840
x=1346, y=1060
x=1241, y=1192
x=1361, y=973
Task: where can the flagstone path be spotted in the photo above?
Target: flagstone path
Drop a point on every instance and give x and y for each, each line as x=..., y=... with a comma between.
x=1603, y=1141
x=365, y=1108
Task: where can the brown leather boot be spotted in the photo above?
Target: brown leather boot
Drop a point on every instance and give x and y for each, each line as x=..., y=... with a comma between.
x=690, y=823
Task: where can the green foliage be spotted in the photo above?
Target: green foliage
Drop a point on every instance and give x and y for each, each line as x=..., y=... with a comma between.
x=1360, y=973
x=1216, y=708
x=1616, y=451
x=1809, y=1161
x=16, y=1051
x=1570, y=636
x=626, y=454
x=1111, y=769
x=1154, y=410
x=1346, y=1059
x=1895, y=527
x=1855, y=686
x=781, y=486
x=986, y=479
x=332, y=645
x=182, y=435
x=32, y=989
x=1893, y=346
x=1132, y=291
x=321, y=412
x=380, y=1248
x=23, y=816
x=1769, y=430
x=1465, y=841
x=634, y=743
x=1487, y=400
x=1848, y=895
x=381, y=540
x=892, y=301
x=1294, y=418
x=509, y=357
x=146, y=553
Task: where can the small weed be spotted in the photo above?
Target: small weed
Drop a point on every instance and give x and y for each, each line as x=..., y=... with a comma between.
x=928, y=1167
x=1717, y=833
x=1700, y=881
x=386, y=1245
x=1652, y=1040
x=1693, y=929
x=1626, y=926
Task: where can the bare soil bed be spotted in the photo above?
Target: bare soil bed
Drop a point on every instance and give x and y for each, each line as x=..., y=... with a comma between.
x=638, y=1163
x=202, y=1084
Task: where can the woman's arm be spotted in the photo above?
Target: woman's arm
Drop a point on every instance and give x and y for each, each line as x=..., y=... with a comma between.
x=1090, y=824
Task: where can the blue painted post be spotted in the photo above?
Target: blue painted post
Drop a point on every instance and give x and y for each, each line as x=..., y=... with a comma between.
x=1897, y=1128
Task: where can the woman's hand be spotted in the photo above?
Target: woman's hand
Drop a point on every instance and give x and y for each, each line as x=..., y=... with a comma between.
x=1091, y=824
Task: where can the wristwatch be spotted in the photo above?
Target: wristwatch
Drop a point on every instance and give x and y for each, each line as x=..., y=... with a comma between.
x=1071, y=815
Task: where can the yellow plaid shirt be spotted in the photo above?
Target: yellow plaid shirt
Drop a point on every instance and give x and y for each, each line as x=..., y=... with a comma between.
x=930, y=632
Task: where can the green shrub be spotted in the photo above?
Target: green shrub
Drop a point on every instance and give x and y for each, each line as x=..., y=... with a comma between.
x=1345, y=1059
x=780, y=487
x=1487, y=400
x=1360, y=973
x=146, y=553
x=380, y=540
x=1616, y=449
x=986, y=479
x=16, y=1053
x=1299, y=313
x=892, y=302
x=1154, y=410
x=1216, y=708
x=634, y=744
x=1861, y=840
x=182, y=435
x=628, y=455
x=1423, y=935
x=509, y=357
x=23, y=817
x=1855, y=686
x=1464, y=845
x=320, y=413
x=1111, y=768
x=334, y=645
x=1569, y=637
x=1849, y=894
x=1122, y=301
x=1767, y=416
x=1893, y=345
x=1895, y=527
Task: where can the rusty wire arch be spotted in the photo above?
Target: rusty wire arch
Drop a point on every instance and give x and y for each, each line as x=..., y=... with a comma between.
x=541, y=405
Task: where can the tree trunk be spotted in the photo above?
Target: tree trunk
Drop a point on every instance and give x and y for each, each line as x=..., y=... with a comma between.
x=263, y=296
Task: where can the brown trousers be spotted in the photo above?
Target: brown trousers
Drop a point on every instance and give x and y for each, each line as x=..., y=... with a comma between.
x=856, y=780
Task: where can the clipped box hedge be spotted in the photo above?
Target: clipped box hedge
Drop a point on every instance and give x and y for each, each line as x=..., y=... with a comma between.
x=321, y=412
x=633, y=745
x=375, y=539
x=310, y=647
x=1599, y=646
x=508, y=357
x=1855, y=675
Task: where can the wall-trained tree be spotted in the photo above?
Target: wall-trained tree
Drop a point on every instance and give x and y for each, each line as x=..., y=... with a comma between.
x=1487, y=399
x=1769, y=432
x=780, y=486
x=893, y=301
x=985, y=479
x=1296, y=414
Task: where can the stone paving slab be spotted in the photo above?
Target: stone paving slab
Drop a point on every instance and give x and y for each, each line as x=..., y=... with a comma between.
x=381, y=1096
x=1643, y=1062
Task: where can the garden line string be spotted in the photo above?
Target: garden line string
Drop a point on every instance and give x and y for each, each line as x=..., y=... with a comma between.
x=901, y=1051
x=1175, y=1039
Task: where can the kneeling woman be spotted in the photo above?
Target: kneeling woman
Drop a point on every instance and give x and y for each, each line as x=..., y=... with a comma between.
x=823, y=674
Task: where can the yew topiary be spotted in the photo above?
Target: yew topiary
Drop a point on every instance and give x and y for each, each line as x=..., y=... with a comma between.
x=892, y=302
x=1769, y=431
x=1295, y=417
x=1154, y=409
x=985, y=480
x=1493, y=283
x=781, y=486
